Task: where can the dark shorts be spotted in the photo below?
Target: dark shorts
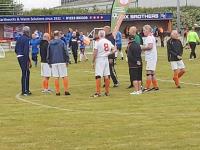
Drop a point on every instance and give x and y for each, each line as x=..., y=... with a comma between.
x=135, y=74
x=119, y=47
x=82, y=50
x=34, y=56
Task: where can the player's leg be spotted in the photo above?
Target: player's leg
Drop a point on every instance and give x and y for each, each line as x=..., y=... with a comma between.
x=131, y=80
x=62, y=69
x=181, y=67
x=66, y=85
x=120, y=51
x=175, y=68
x=134, y=80
x=27, y=80
x=192, y=46
x=107, y=85
x=139, y=79
x=154, y=81
x=194, y=52
x=57, y=86
x=34, y=58
x=23, y=70
x=55, y=74
x=148, y=76
x=44, y=83
x=176, y=78
x=84, y=54
x=151, y=67
x=46, y=74
x=113, y=73
x=81, y=54
x=73, y=53
x=181, y=73
x=98, y=75
x=106, y=75
x=135, y=73
x=76, y=55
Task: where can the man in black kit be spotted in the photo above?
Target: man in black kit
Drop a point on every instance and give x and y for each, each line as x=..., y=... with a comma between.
x=73, y=44
x=111, y=57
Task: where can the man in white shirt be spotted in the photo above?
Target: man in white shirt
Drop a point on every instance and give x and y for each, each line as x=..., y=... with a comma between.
x=150, y=51
x=102, y=49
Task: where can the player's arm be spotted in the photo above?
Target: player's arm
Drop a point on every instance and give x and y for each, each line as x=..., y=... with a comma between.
x=147, y=47
x=197, y=37
x=138, y=55
x=113, y=48
x=94, y=57
x=66, y=53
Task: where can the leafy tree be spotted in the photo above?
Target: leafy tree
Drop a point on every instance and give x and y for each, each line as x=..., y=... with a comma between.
x=9, y=7
x=189, y=15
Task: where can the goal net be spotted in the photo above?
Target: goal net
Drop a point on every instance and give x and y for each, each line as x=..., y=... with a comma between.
x=2, y=52
x=93, y=34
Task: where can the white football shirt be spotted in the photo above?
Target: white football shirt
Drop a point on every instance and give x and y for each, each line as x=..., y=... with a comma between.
x=103, y=47
x=151, y=55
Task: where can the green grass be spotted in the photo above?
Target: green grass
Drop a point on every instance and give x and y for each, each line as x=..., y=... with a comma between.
x=164, y=120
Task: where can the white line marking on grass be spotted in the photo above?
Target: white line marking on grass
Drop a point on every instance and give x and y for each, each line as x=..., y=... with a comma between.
x=88, y=111
x=74, y=110
x=41, y=105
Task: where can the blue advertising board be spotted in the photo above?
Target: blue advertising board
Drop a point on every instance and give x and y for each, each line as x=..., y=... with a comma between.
x=82, y=18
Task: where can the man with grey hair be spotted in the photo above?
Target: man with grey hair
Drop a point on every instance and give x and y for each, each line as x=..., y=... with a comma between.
x=22, y=52
x=150, y=52
x=102, y=50
x=175, y=52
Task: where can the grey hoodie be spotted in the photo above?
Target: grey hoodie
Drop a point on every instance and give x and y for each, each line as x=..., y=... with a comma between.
x=57, y=52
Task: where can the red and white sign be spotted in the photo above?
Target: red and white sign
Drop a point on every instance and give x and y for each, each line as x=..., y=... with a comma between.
x=8, y=31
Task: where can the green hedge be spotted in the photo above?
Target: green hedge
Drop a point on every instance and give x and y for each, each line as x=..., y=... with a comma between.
x=189, y=15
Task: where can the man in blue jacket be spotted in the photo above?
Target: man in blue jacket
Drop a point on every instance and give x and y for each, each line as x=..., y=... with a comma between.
x=119, y=44
x=58, y=59
x=22, y=52
x=35, y=42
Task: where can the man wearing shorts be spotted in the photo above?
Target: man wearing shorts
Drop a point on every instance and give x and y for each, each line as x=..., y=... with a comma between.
x=135, y=64
x=58, y=59
x=150, y=51
x=175, y=52
x=45, y=69
x=102, y=49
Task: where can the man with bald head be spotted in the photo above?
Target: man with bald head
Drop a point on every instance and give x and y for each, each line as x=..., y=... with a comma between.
x=22, y=51
x=134, y=62
x=175, y=52
x=133, y=36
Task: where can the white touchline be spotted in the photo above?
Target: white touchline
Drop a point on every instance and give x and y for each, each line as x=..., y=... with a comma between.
x=75, y=110
x=88, y=111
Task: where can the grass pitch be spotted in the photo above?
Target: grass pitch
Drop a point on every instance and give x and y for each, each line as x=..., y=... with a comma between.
x=165, y=120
